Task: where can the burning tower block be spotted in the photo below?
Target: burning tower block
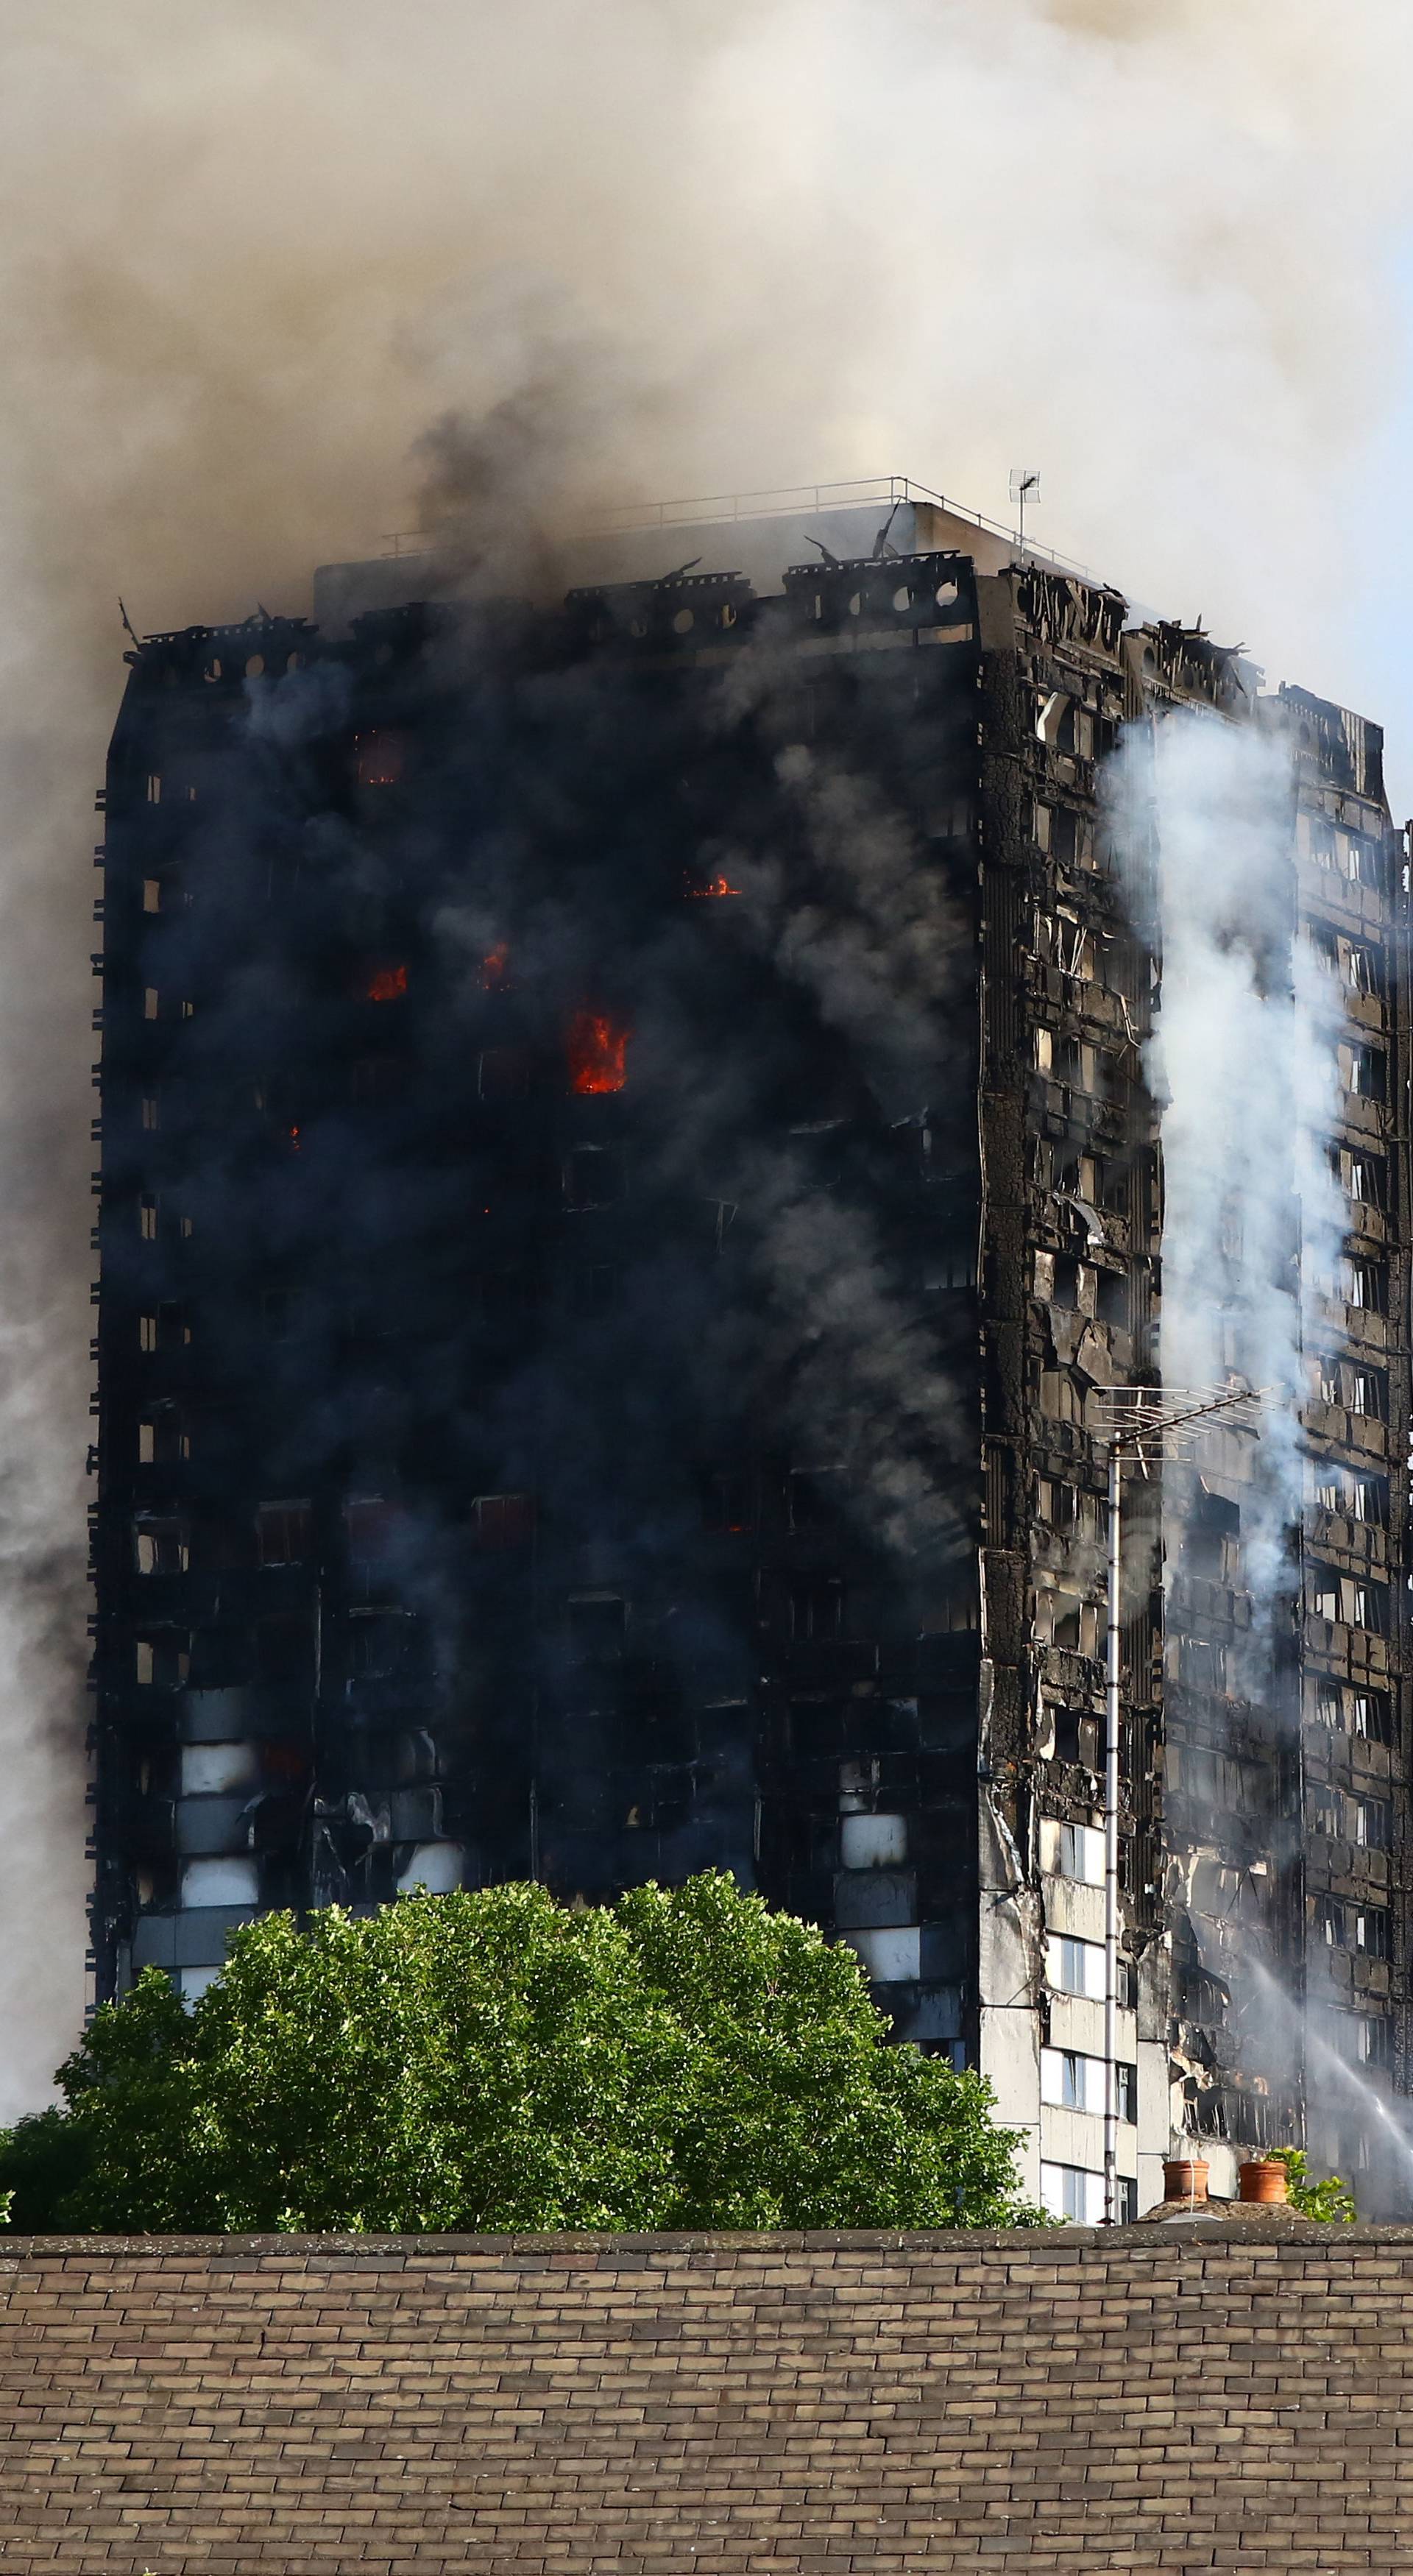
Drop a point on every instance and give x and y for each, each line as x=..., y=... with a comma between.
x=627, y=1153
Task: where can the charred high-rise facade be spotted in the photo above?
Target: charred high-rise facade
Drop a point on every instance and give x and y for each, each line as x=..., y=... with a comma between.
x=630, y=1151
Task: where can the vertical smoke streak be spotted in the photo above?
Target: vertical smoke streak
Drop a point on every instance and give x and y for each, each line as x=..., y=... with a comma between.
x=1243, y=1064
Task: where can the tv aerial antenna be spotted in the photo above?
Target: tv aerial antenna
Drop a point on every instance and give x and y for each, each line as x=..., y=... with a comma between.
x=1025, y=486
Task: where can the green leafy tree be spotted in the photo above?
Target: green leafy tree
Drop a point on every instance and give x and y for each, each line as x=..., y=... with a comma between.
x=496, y=2061
x=1329, y=2199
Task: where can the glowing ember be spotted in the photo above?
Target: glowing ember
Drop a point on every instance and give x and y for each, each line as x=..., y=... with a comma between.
x=714, y=886
x=386, y=984
x=598, y=1053
x=495, y=968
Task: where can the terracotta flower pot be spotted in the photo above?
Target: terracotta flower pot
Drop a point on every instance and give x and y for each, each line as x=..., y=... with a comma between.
x=1185, y=2178
x=1263, y=2179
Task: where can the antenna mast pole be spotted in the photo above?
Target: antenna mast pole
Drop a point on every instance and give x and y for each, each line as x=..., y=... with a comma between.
x=1141, y=1423
x=1025, y=486
x=1113, y=1720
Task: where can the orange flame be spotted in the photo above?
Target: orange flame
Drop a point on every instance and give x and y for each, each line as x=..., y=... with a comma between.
x=718, y=885
x=598, y=1053
x=494, y=968
x=386, y=984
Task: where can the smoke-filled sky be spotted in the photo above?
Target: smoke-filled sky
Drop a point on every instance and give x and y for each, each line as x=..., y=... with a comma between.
x=251, y=257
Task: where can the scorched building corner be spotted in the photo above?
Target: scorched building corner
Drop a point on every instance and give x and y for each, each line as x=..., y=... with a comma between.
x=626, y=1161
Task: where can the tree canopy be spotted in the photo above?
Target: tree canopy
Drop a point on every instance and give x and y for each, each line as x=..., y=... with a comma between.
x=495, y=2061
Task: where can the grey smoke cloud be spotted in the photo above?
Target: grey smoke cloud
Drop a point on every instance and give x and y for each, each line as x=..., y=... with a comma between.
x=253, y=259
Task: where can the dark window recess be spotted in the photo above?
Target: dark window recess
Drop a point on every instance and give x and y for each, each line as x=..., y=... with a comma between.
x=1329, y=1923
x=504, y=1073
x=1111, y=1300
x=597, y=1622
x=161, y=1547
x=821, y=1727
x=1198, y=1995
x=594, y=1176
x=221, y=1658
x=1071, y=836
x=371, y=1524
x=1372, y=1820
x=379, y=757
x=816, y=1605
x=1202, y=1665
x=1364, y=1283
x=1371, y=1931
x=1364, y=1071
x=669, y=1803
x=954, y=1609
x=1127, y=2090
x=1077, y=1738
x=655, y=1723
x=502, y=1521
x=284, y=1652
x=1324, y=1810
x=1366, y=1391
x=163, y=1440
x=285, y=1765
x=729, y=1500
x=598, y=1289
x=1066, y=1627
x=1370, y=1714
x=227, y=1542
x=817, y=1497
x=378, y=1081
x=284, y=1533
x=171, y=1329
x=1065, y=1296
x=1375, y=2044
x=1211, y=1545
x=382, y=1646
x=163, y=1660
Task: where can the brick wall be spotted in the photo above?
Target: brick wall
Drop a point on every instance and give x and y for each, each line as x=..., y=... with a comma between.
x=1154, y=2401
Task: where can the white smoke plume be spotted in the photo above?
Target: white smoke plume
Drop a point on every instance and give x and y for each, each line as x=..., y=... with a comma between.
x=253, y=259
x=1243, y=1062
x=1244, y=1065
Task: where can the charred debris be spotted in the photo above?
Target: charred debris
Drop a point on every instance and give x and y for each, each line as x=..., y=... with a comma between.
x=624, y=1156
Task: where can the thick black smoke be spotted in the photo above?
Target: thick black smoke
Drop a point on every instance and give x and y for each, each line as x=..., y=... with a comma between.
x=564, y=1073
